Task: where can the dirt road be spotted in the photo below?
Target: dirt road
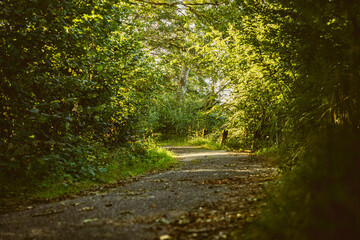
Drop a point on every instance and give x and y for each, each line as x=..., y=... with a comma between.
x=209, y=196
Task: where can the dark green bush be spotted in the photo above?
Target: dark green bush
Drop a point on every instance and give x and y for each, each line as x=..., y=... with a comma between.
x=319, y=198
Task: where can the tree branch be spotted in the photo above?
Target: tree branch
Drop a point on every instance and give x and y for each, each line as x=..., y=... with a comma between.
x=178, y=3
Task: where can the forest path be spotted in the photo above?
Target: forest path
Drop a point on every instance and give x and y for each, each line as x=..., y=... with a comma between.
x=208, y=196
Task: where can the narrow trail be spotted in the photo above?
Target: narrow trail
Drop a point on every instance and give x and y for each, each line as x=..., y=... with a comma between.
x=211, y=194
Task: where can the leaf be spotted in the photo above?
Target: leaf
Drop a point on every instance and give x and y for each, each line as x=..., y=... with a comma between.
x=67, y=126
x=164, y=220
x=55, y=104
x=165, y=237
x=42, y=119
x=77, y=203
x=99, y=68
x=34, y=110
x=87, y=209
x=69, y=119
x=90, y=220
x=91, y=172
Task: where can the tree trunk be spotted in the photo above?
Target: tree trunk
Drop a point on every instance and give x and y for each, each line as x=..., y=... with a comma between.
x=182, y=83
x=224, y=135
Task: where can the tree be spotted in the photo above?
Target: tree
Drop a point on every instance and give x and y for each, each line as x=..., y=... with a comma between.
x=73, y=74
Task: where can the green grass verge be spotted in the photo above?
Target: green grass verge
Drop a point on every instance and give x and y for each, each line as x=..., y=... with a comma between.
x=173, y=142
x=116, y=165
x=193, y=141
x=156, y=158
x=205, y=143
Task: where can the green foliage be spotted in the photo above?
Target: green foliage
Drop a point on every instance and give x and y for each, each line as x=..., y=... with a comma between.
x=136, y=159
x=296, y=85
x=82, y=81
x=97, y=167
x=319, y=199
x=74, y=79
x=173, y=118
x=204, y=142
x=293, y=72
x=170, y=117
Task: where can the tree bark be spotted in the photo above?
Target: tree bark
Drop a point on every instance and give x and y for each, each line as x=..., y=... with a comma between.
x=182, y=83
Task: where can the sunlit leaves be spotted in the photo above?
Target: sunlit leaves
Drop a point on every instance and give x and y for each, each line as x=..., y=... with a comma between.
x=74, y=75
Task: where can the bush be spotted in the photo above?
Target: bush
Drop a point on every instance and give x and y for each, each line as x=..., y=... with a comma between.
x=173, y=118
x=319, y=198
x=88, y=165
x=204, y=142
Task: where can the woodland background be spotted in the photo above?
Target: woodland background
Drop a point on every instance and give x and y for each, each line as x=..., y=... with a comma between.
x=86, y=87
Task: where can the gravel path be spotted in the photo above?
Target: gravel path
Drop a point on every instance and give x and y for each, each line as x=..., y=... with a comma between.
x=211, y=195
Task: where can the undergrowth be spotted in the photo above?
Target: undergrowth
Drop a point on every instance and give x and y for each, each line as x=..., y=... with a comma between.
x=318, y=197
x=103, y=166
x=204, y=142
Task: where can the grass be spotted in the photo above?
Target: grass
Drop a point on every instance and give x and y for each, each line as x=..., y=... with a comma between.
x=173, y=142
x=59, y=189
x=204, y=142
x=193, y=141
x=120, y=164
x=157, y=158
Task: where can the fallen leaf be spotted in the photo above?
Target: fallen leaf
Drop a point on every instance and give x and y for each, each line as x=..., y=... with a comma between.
x=77, y=204
x=183, y=221
x=230, y=165
x=90, y=220
x=165, y=237
x=164, y=220
x=87, y=208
